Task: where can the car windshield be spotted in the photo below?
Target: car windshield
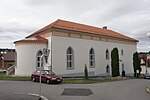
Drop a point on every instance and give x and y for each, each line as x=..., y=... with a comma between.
x=47, y=72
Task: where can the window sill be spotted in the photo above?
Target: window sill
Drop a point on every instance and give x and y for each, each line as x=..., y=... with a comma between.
x=70, y=68
x=92, y=67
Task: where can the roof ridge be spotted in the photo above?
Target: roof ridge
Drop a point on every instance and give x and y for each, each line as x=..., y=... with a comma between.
x=44, y=28
x=69, y=25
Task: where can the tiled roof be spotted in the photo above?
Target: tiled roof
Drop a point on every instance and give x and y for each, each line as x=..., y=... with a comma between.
x=32, y=41
x=9, y=56
x=40, y=38
x=82, y=28
x=37, y=39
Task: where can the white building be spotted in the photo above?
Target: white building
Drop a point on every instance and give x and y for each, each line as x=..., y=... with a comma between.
x=72, y=45
x=145, y=62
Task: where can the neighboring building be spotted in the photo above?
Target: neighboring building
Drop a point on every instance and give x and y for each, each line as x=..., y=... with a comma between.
x=72, y=45
x=7, y=59
x=145, y=62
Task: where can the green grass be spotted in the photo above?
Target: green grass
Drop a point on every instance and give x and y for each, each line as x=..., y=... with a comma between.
x=88, y=81
x=3, y=76
x=82, y=81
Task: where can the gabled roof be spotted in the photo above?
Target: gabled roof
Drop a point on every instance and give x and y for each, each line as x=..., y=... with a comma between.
x=36, y=39
x=82, y=28
x=9, y=56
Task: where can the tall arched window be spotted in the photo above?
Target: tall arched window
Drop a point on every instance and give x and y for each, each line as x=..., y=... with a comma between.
x=122, y=66
x=107, y=69
x=92, y=58
x=122, y=52
x=107, y=54
x=70, y=58
x=39, y=54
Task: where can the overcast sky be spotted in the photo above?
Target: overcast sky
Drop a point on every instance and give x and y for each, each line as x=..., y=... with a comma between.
x=19, y=18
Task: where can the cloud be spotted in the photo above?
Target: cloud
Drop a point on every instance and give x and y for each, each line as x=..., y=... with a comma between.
x=20, y=18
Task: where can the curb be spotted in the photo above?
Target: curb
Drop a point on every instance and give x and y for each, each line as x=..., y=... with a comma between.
x=43, y=98
x=147, y=90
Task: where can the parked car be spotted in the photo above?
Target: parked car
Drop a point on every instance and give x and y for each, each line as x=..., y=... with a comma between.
x=47, y=76
x=2, y=70
x=147, y=76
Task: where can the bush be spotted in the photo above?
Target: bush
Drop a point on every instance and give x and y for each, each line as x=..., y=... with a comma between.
x=85, y=72
x=115, y=62
x=136, y=64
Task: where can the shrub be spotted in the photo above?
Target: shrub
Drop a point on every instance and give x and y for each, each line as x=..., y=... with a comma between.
x=136, y=64
x=115, y=62
x=85, y=72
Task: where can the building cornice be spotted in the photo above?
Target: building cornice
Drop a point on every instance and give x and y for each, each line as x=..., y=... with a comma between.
x=89, y=36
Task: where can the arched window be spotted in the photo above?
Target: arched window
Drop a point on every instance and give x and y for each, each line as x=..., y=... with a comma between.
x=122, y=52
x=107, y=69
x=70, y=58
x=39, y=54
x=107, y=54
x=122, y=66
x=91, y=58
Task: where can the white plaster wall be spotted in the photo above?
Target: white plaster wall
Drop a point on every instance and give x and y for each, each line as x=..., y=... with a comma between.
x=26, y=58
x=143, y=69
x=81, y=49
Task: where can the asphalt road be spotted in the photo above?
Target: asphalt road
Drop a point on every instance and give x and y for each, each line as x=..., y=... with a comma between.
x=120, y=90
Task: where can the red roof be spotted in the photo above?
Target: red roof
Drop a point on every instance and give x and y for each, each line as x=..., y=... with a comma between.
x=9, y=56
x=37, y=39
x=82, y=28
x=40, y=38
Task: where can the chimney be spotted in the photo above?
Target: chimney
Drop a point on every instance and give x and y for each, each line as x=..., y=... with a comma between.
x=105, y=27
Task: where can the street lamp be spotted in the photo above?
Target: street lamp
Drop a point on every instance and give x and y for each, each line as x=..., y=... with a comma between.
x=3, y=53
x=45, y=54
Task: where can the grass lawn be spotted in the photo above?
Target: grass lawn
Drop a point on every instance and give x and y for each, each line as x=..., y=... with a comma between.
x=3, y=76
x=88, y=81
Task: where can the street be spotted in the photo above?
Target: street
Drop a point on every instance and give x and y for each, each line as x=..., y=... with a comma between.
x=133, y=89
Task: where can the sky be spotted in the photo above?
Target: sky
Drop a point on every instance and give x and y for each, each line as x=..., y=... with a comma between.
x=20, y=18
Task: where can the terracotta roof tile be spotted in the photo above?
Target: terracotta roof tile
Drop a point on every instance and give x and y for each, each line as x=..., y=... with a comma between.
x=40, y=38
x=33, y=41
x=9, y=56
x=83, y=28
x=37, y=39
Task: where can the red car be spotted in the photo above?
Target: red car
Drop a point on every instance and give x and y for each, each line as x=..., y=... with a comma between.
x=47, y=76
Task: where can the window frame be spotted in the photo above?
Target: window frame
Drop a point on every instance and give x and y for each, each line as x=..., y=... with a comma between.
x=122, y=66
x=38, y=60
x=108, y=69
x=92, y=58
x=70, y=58
x=122, y=52
x=107, y=54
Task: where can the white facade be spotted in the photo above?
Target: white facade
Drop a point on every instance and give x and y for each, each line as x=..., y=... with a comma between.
x=70, y=44
x=26, y=58
x=81, y=48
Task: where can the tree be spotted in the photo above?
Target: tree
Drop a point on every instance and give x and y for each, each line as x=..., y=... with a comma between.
x=136, y=64
x=115, y=62
x=85, y=72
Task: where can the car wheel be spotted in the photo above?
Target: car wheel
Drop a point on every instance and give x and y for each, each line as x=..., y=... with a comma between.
x=33, y=79
x=47, y=81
